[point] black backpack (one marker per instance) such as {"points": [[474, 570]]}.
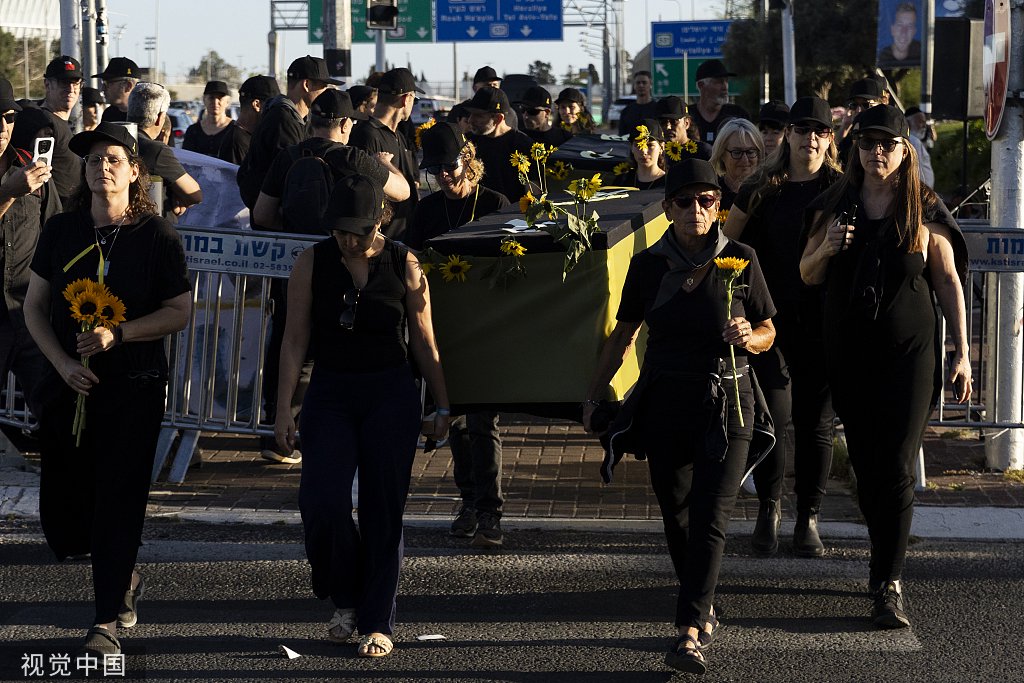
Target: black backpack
{"points": [[307, 187]]}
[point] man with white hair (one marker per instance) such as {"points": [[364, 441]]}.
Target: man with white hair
{"points": [[713, 108], [147, 108]]}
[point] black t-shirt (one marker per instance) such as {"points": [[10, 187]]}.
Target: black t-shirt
{"points": [[280, 127], [196, 140], [708, 129], [634, 114], [342, 159], [499, 174], [685, 333], [728, 194], [113, 114], [437, 214], [554, 136], [235, 144], [160, 161], [67, 166], [372, 136], [775, 231], [146, 267]]}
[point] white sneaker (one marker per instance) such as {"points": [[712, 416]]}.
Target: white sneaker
{"points": [[294, 458]]}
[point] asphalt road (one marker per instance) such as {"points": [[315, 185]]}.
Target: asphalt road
{"points": [[553, 606]]}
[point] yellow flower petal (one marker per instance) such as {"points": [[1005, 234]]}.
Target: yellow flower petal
{"points": [[731, 263]]}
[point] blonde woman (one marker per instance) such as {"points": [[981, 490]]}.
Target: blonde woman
{"points": [[736, 154]]}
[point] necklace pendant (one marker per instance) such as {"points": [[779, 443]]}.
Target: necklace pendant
{"points": [[106, 268], [103, 240], [689, 280]]}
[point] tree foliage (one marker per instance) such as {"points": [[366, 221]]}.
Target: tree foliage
{"points": [[542, 72], [212, 67], [12, 62]]}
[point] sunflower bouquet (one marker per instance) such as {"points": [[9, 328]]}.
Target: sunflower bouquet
{"points": [[92, 305], [729, 269]]}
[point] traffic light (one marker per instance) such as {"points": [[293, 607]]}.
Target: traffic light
{"points": [[382, 14]]}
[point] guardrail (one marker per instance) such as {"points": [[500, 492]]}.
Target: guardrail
{"points": [[216, 361]]}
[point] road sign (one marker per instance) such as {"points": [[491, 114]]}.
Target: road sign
{"points": [[498, 20], [997, 63], [414, 23], [315, 22], [699, 41]]}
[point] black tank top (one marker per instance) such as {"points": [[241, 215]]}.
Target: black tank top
{"points": [[377, 338]]}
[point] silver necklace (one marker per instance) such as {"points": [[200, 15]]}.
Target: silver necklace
{"points": [[114, 232]]}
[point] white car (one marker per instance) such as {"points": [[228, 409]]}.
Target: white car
{"points": [[615, 111]]}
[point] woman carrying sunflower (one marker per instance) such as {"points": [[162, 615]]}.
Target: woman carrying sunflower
{"points": [[93, 495], [647, 146], [683, 412]]}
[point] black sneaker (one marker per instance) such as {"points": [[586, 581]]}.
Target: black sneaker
{"points": [[465, 523], [128, 616], [99, 641], [888, 611], [488, 531]]}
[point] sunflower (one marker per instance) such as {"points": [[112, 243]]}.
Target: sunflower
{"points": [[423, 127], [510, 247], [643, 137], [538, 152], [593, 185], [674, 150], [86, 306], [691, 146], [622, 168], [559, 170], [110, 311], [455, 268], [426, 267], [520, 162], [723, 215], [526, 201], [731, 263], [77, 287]]}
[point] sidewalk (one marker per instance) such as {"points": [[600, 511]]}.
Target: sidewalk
{"points": [[550, 475]]}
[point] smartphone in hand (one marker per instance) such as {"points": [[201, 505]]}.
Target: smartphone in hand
{"points": [[43, 151]]}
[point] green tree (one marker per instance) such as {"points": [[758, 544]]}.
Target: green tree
{"points": [[948, 157], [213, 68], [12, 62], [542, 72]]}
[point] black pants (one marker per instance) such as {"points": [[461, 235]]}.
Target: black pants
{"points": [[476, 458], [696, 492], [369, 421], [272, 361], [794, 381], [92, 498]]}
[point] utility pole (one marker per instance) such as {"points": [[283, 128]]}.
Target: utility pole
{"points": [[101, 33], [1004, 448], [338, 37], [89, 66], [788, 53]]}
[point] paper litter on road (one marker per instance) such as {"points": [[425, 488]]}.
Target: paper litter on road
{"points": [[288, 652], [431, 636]]}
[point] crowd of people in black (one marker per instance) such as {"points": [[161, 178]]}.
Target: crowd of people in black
{"points": [[830, 261]]}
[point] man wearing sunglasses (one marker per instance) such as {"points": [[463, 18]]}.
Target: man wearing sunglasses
{"points": [[119, 78], [28, 198], [536, 108]]}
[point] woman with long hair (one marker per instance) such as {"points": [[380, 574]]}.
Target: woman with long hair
{"points": [[768, 215], [885, 248], [573, 115], [94, 488], [647, 147], [736, 154]]}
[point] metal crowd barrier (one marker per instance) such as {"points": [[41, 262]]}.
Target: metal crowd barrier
{"points": [[216, 361]]}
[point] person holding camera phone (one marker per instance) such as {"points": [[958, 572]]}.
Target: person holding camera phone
{"points": [[28, 198], [882, 274], [683, 412]]}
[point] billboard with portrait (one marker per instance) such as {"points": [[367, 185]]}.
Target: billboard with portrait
{"points": [[900, 26]]}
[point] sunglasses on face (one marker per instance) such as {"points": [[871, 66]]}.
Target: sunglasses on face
{"points": [[684, 201], [436, 170], [869, 144], [740, 153], [536, 111], [348, 316], [10, 117], [821, 132]]}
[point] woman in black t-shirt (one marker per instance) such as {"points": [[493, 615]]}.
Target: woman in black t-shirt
{"points": [[736, 154], [682, 412], [647, 147], [93, 495], [769, 216], [350, 299]]}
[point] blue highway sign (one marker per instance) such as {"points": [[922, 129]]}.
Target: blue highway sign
{"points": [[498, 20], [697, 39]]}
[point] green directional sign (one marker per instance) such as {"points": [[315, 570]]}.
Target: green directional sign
{"points": [[415, 24], [667, 78]]}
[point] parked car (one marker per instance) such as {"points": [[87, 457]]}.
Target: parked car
{"points": [[615, 111], [180, 120]]}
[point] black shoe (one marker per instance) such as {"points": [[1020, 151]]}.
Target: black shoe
{"points": [[685, 656], [100, 641], [488, 531], [765, 540], [465, 523], [888, 610], [806, 542], [128, 616]]}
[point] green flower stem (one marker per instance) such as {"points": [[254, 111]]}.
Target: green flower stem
{"points": [[732, 347]]}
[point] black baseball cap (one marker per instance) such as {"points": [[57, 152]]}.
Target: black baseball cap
{"points": [[811, 109], [536, 97], [713, 68], [397, 82], [884, 118], [690, 172], [355, 206], [868, 88], [569, 95], [774, 111], [219, 88], [911, 111], [106, 131], [260, 88], [335, 104], [442, 144], [459, 111], [671, 107], [119, 67], [65, 68], [653, 130], [312, 68], [489, 100], [7, 101], [91, 96], [485, 74], [359, 94]]}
